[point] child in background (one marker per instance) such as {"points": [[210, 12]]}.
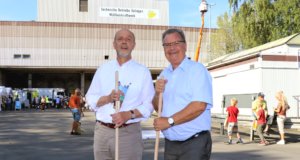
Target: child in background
{"points": [[233, 112], [261, 122]]}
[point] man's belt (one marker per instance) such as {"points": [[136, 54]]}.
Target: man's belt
{"points": [[112, 125], [193, 136]]}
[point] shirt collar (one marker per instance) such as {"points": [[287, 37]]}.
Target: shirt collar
{"points": [[183, 65], [124, 64]]}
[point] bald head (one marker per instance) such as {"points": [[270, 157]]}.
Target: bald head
{"points": [[124, 30]]}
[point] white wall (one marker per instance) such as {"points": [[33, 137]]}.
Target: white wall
{"points": [[235, 80], [285, 79]]}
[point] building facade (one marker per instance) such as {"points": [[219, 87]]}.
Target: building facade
{"points": [[268, 68], [71, 38], [66, 55]]}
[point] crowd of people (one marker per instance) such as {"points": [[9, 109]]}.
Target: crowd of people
{"points": [[11, 103]]}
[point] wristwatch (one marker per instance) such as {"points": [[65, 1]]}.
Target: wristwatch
{"points": [[171, 121], [132, 114]]}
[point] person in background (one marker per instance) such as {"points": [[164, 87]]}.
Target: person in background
{"points": [[18, 104], [57, 102], [261, 122], [233, 112], [9, 103], [48, 104], [281, 109], [261, 100], [74, 104], [43, 103], [38, 102], [187, 100], [135, 92]]}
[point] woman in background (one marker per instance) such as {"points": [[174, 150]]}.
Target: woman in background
{"points": [[281, 109]]}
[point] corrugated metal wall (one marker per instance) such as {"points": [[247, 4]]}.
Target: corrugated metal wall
{"points": [[285, 79], [264, 76], [80, 45]]}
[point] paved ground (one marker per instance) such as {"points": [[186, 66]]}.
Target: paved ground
{"points": [[31, 135]]}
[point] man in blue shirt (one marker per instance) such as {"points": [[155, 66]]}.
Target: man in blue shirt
{"points": [[187, 100]]}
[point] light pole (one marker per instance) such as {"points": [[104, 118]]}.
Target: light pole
{"points": [[209, 31]]}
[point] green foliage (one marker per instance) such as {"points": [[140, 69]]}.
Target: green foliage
{"points": [[224, 39], [234, 4], [256, 22], [286, 18], [252, 22]]}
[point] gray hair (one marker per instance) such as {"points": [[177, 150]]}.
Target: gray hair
{"points": [[174, 30]]}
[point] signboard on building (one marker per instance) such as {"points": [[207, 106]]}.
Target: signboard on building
{"points": [[129, 12]]}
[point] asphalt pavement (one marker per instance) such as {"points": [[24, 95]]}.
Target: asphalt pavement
{"points": [[45, 135]]}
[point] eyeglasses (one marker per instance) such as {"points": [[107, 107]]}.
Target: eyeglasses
{"points": [[176, 43]]}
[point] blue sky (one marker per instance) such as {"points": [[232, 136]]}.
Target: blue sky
{"points": [[182, 12], [186, 12]]}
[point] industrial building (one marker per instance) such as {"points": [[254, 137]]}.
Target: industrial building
{"points": [[71, 38]]}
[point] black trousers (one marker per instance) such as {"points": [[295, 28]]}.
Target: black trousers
{"points": [[196, 148]]}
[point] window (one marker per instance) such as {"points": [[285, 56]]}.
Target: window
{"points": [[17, 56], [26, 56], [83, 5]]}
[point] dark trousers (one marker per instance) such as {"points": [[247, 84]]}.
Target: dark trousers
{"points": [[198, 148]]}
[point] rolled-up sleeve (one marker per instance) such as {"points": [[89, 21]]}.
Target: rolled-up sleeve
{"points": [[146, 107]]}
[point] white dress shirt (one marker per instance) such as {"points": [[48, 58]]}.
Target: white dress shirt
{"points": [[189, 82], [138, 96]]}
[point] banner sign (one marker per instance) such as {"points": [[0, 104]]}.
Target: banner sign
{"points": [[129, 12]]}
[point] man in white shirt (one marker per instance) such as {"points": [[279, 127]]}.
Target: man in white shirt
{"points": [[187, 99], [135, 92]]}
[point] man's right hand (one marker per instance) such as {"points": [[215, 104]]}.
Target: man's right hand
{"points": [[112, 97], [115, 96], [161, 123]]}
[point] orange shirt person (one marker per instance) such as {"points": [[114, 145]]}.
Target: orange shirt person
{"points": [[74, 104]]}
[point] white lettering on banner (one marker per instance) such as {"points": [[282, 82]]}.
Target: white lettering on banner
{"points": [[128, 12]]}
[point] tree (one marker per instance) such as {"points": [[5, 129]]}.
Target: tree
{"points": [[253, 22], [224, 39], [256, 22], [286, 18], [235, 4]]}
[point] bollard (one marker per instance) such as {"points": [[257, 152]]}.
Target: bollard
{"points": [[222, 128], [251, 134]]}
